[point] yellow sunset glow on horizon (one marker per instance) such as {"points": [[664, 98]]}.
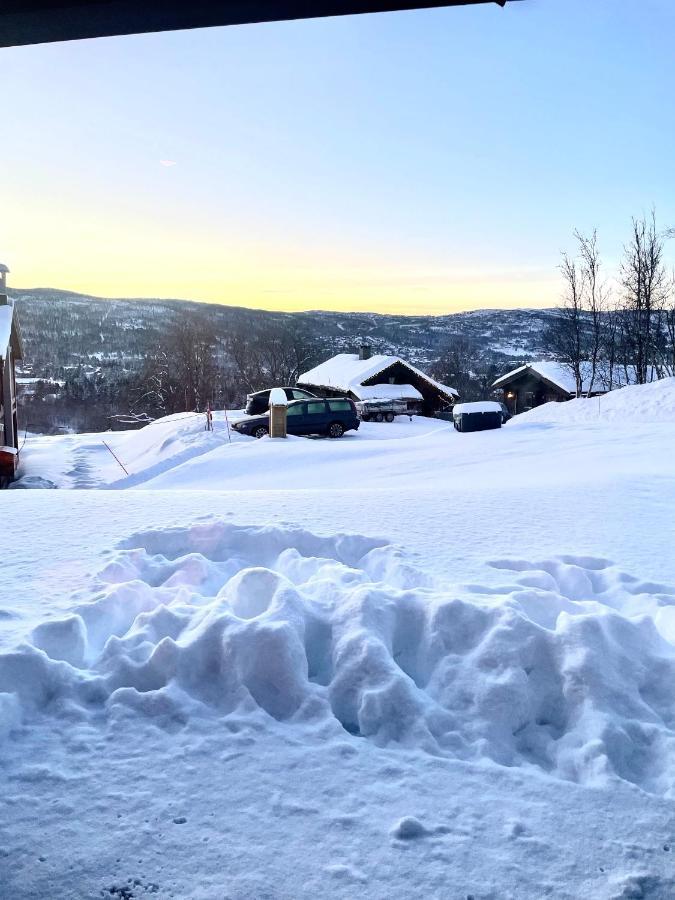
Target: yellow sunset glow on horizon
{"points": [[113, 256], [293, 291]]}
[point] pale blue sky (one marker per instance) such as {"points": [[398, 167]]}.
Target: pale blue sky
{"points": [[434, 159]]}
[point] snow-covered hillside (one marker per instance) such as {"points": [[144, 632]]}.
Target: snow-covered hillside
{"points": [[411, 662]]}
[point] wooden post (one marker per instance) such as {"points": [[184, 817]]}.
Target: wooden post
{"points": [[278, 412]]}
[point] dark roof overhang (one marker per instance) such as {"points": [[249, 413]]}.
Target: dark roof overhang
{"points": [[43, 21], [528, 371]]}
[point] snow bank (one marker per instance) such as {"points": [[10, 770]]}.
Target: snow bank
{"points": [[176, 438], [123, 458], [654, 402], [566, 668]]}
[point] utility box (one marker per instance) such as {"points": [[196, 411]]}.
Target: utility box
{"points": [[278, 413]]}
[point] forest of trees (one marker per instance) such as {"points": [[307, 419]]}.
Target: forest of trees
{"points": [[191, 368], [623, 331]]}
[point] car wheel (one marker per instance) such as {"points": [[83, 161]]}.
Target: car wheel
{"points": [[260, 432], [389, 417], [379, 417], [336, 430]]}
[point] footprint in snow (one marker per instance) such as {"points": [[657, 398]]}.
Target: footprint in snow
{"points": [[410, 828]]}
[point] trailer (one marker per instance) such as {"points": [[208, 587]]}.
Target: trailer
{"points": [[381, 410]]}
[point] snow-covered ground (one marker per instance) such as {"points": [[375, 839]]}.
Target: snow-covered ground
{"points": [[408, 663]]}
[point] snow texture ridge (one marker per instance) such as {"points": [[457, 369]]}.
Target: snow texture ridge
{"points": [[567, 668]]}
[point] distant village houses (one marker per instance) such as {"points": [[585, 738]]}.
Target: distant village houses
{"points": [[368, 376], [541, 382]]}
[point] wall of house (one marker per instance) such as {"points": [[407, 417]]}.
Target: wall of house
{"points": [[10, 427], [2, 404], [432, 400], [528, 391]]}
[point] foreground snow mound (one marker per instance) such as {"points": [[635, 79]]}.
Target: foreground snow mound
{"points": [[567, 668], [654, 402]]}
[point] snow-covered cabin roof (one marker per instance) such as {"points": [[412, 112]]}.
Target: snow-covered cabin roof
{"points": [[347, 372], [561, 376], [9, 331], [386, 392]]}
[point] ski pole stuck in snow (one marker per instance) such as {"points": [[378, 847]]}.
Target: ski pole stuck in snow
{"points": [[118, 460]]}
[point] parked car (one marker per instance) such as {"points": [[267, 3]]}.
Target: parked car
{"points": [[259, 402], [330, 417]]}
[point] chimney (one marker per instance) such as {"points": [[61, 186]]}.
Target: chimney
{"points": [[364, 351]]}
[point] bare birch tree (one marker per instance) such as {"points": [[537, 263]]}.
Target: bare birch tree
{"points": [[565, 338], [644, 284], [594, 302]]}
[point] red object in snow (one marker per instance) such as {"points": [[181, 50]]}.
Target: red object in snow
{"points": [[9, 462]]}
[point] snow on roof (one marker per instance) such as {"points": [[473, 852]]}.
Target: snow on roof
{"points": [[10, 333], [561, 375], [386, 392], [346, 371], [479, 406], [6, 314]]}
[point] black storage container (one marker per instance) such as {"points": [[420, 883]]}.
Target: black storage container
{"points": [[480, 416]]}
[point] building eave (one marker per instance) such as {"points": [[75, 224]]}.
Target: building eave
{"points": [[515, 374], [45, 21]]}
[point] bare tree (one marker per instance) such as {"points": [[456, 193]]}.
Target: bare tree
{"points": [[454, 366], [595, 303], [610, 343], [644, 284], [565, 338], [270, 354], [181, 373], [668, 326]]}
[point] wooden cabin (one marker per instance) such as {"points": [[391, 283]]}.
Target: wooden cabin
{"points": [[11, 349], [542, 382], [367, 376]]}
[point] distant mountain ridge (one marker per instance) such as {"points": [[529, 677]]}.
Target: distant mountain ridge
{"points": [[64, 328], [84, 355]]}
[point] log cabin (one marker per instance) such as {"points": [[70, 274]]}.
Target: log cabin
{"points": [[542, 382], [367, 376]]}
